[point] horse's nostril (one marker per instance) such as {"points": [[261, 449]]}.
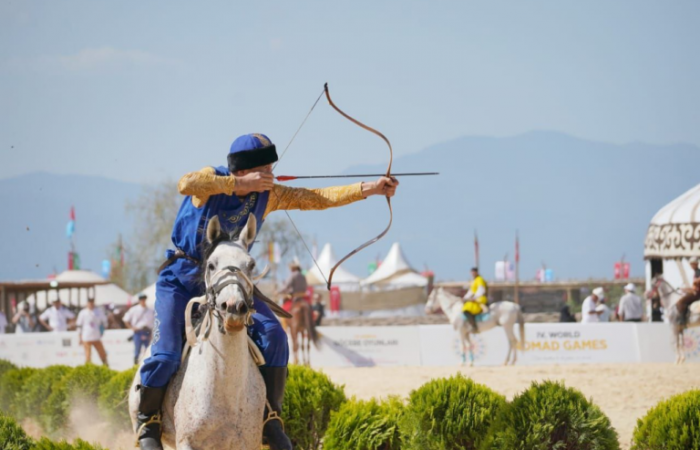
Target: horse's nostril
{"points": [[241, 308]]}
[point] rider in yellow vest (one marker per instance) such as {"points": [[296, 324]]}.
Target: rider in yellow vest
{"points": [[475, 299]]}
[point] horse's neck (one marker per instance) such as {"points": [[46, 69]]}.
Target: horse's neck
{"points": [[226, 359], [450, 306]]}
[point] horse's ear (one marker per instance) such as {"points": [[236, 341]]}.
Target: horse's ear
{"points": [[213, 229], [250, 230]]}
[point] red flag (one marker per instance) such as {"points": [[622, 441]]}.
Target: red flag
{"points": [[72, 213], [517, 248]]}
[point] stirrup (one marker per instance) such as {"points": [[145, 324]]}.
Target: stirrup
{"points": [[155, 418], [272, 415]]}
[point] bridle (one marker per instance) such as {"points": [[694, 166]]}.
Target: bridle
{"points": [[226, 276]]}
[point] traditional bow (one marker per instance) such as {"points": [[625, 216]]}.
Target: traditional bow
{"points": [[388, 175]]}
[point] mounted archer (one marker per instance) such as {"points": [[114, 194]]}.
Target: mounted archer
{"points": [[245, 186]]}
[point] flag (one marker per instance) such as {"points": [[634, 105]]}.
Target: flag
{"points": [[72, 213], [70, 229], [517, 248], [476, 250]]}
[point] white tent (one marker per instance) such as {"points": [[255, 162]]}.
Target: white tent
{"points": [[104, 294], [150, 292], [673, 236], [395, 272], [345, 280]]}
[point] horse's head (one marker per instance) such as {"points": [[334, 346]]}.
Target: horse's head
{"points": [[432, 306], [667, 293], [227, 273]]}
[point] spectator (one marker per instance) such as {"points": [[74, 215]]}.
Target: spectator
{"points": [[319, 309], [24, 323], [91, 325], [140, 319], [631, 308], [56, 317], [589, 314], [604, 310], [565, 314], [3, 322]]}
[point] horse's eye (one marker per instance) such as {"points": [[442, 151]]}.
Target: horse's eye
{"points": [[211, 266], [251, 266]]}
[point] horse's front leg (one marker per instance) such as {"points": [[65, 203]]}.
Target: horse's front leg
{"points": [[471, 350]]}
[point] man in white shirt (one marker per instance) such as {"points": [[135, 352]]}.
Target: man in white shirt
{"points": [[24, 323], [91, 324], [588, 309], [3, 322], [631, 308], [604, 310], [56, 317], [140, 319]]}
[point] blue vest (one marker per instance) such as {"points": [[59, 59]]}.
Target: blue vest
{"points": [[191, 227]]}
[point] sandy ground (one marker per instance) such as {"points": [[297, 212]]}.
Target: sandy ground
{"points": [[623, 391]]}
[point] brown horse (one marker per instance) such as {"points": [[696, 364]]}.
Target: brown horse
{"points": [[302, 329]]}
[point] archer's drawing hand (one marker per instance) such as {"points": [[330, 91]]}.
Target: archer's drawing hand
{"points": [[384, 186], [255, 182]]}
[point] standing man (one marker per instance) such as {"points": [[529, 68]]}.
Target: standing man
{"points": [[475, 298], [140, 319], [56, 317], [319, 309], [91, 325], [245, 186], [631, 308], [24, 323], [589, 314]]}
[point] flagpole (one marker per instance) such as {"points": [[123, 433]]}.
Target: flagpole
{"points": [[476, 250], [517, 269]]}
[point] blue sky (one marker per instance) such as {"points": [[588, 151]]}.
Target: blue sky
{"points": [[142, 91]]}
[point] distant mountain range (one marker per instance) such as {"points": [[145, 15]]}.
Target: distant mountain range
{"points": [[578, 206]]}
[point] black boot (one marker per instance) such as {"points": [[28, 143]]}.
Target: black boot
{"points": [[148, 426], [273, 430], [472, 321]]}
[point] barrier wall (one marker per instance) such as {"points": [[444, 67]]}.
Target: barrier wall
{"points": [[428, 345]]}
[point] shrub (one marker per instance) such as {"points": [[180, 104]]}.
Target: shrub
{"points": [[6, 365], [81, 383], [78, 444], [12, 436], [672, 424], [38, 387], [365, 425], [113, 399], [449, 413], [308, 402], [548, 416], [11, 384]]}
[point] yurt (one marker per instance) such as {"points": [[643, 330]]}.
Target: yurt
{"points": [[104, 294], [672, 238]]}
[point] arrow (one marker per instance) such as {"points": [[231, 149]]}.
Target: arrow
{"points": [[365, 175]]}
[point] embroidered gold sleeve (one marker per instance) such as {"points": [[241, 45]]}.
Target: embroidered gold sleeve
{"points": [[205, 183], [286, 198]]}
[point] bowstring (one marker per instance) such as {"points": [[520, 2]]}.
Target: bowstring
{"points": [[306, 246]]}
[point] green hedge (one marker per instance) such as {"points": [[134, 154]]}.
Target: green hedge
{"points": [[114, 396], [449, 414], [365, 425], [12, 436], [672, 424], [11, 384], [83, 384], [78, 444], [37, 388], [308, 402], [6, 365], [550, 416]]}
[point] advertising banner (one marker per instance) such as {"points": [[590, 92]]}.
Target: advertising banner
{"points": [[546, 343], [366, 347]]}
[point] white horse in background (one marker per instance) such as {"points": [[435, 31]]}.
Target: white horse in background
{"points": [[504, 314], [217, 397], [669, 297]]}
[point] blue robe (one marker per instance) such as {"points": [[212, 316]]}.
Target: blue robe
{"points": [[179, 282]]}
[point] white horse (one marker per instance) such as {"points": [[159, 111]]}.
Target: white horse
{"points": [[669, 297], [504, 314], [217, 397]]}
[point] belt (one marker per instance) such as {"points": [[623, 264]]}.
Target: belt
{"points": [[178, 254]]}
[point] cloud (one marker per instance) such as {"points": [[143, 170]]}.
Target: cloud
{"points": [[93, 59]]}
